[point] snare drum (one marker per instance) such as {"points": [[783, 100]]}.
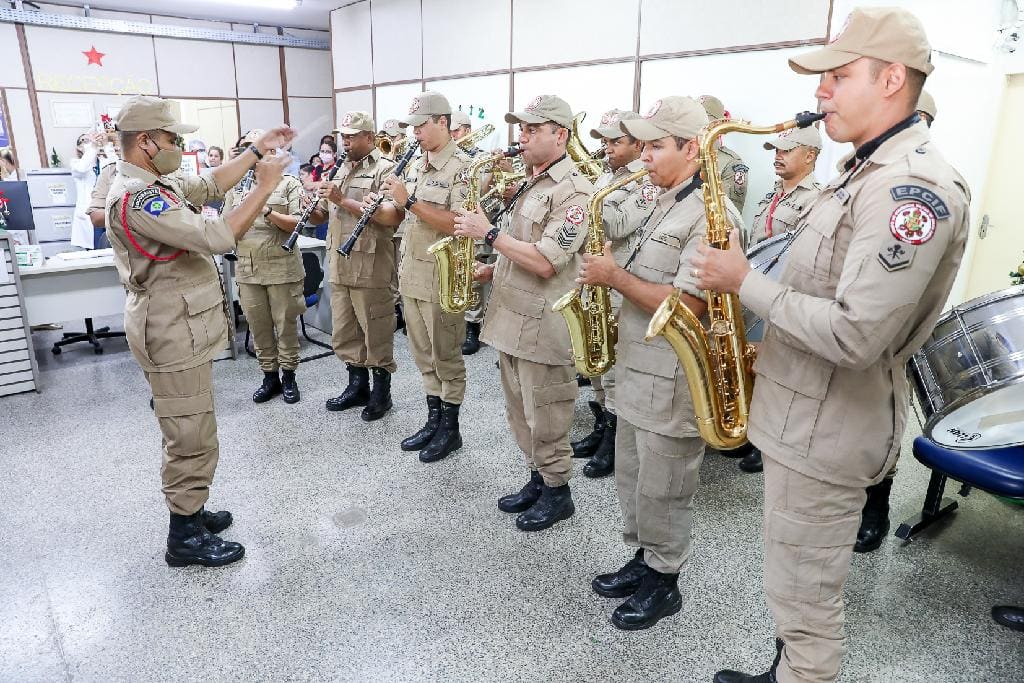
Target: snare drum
{"points": [[969, 375], [767, 257]]}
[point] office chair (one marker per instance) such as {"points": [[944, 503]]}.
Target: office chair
{"points": [[90, 335]]}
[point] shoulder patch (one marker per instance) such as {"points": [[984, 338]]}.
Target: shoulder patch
{"points": [[462, 176], [921, 194], [566, 235], [575, 214], [648, 192], [913, 223], [139, 199], [895, 256], [156, 206]]}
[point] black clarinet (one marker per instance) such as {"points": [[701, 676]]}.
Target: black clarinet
{"points": [[289, 244], [350, 243]]}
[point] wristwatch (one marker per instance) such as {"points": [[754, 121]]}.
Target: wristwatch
{"points": [[266, 214], [410, 201], [259, 154], [491, 235]]}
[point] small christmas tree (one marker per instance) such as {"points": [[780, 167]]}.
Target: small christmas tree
{"points": [[1017, 276], [55, 161]]}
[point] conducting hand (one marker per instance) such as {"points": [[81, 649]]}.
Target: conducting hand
{"points": [[275, 138], [270, 171], [721, 270]]}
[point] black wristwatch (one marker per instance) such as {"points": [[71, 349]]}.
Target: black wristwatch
{"points": [[491, 235], [266, 214], [259, 154], [410, 201]]}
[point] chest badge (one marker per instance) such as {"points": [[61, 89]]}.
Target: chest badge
{"points": [[913, 223]]}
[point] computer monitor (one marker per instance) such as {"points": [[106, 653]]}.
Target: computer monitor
{"points": [[15, 206]]}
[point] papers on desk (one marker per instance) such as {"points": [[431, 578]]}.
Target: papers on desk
{"points": [[72, 256]]}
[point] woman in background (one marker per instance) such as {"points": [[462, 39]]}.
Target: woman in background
{"points": [[93, 153], [8, 165]]}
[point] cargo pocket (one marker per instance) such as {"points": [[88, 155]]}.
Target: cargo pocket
{"points": [[654, 378], [809, 557], [794, 404], [667, 468], [451, 331], [204, 308], [298, 300], [188, 424], [553, 408]]}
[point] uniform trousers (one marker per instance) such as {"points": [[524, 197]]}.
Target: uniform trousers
{"points": [[364, 326], [656, 477], [809, 530], [435, 339], [271, 311], [539, 404], [183, 404]]}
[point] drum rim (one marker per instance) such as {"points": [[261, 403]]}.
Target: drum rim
{"points": [[970, 397], [984, 299]]}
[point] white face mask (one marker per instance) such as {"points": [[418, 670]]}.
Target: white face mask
{"points": [[326, 157]]}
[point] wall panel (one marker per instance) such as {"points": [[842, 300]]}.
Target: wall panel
{"points": [[483, 36], [309, 74], [487, 92], [392, 101], [22, 127], [350, 46], [177, 59], [258, 71], [59, 63], [261, 114], [397, 49], [545, 32], [12, 75], [353, 100]]}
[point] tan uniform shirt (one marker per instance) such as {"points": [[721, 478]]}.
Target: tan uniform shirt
{"points": [[866, 279], [624, 209], [441, 182], [261, 260], [372, 262], [734, 175], [104, 181], [788, 208], [651, 391], [552, 214], [175, 317]]}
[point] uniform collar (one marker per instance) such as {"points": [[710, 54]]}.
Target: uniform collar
{"points": [[807, 183], [681, 191], [560, 170], [441, 158], [371, 158], [890, 145]]}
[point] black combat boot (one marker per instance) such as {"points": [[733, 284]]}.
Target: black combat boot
{"points": [[289, 388], [1009, 616], [752, 462], [216, 522], [527, 496], [399, 319], [380, 395], [624, 582], [357, 393], [472, 343], [730, 676], [447, 438], [270, 388], [585, 447], [420, 439], [555, 504], [189, 542], [738, 452], [656, 598], [874, 518], [603, 462]]}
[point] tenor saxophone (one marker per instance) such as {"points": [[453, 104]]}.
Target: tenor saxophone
{"points": [[587, 310], [717, 360], [455, 255]]}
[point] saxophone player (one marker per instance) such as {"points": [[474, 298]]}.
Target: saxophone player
{"points": [[538, 256], [622, 213], [658, 448]]}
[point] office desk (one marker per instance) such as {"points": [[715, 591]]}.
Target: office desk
{"points": [[62, 291]]}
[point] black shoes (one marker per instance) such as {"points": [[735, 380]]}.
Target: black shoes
{"points": [[738, 452], [624, 582], [399, 319], [527, 496], [472, 343], [874, 519], [380, 396], [357, 393], [289, 388], [585, 447], [554, 505], [656, 598], [420, 439], [752, 462], [446, 439], [1010, 617], [190, 542], [270, 388], [603, 462], [730, 676], [216, 522]]}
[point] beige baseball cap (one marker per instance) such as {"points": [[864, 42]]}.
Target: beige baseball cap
{"points": [[609, 127], [460, 119], [356, 122], [142, 112], [391, 127], [679, 116], [541, 109], [887, 33], [795, 137], [713, 106], [425, 105], [926, 103]]}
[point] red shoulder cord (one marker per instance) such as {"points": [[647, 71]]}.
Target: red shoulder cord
{"points": [[131, 238]]}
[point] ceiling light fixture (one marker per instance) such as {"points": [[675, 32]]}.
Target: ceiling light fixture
{"points": [[264, 4]]}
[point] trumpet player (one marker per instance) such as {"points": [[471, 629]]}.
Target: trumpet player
{"points": [[435, 336], [538, 256], [658, 448], [622, 213], [270, 284], [362, 305]]}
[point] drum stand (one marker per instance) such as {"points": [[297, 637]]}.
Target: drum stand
{"points": [[935, 508]]}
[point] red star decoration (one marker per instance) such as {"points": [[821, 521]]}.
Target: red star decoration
{"points": [[94, 56]]}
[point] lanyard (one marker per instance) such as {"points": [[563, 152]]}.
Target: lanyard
{"points": [[771, 213]]}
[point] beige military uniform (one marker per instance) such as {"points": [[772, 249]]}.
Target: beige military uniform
{"points": [[658, 450], [868, 273], [622, 212], [175, 314], [362, 303], [778, 212], [733, 173], [270, 279], [435, 336], [537, 372]]}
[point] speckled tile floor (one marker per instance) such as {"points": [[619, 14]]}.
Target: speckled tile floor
{"points": [[363, 564]]}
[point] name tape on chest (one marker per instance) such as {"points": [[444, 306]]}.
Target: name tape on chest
{"points": [[667, 240], [923, 195], [437, 183]]}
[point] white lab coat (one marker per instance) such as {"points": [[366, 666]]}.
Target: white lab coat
{"points": [[83, 170]]}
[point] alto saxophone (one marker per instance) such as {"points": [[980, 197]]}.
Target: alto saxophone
{"points": [[718, 361], [588, 310], [455, 255]]}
